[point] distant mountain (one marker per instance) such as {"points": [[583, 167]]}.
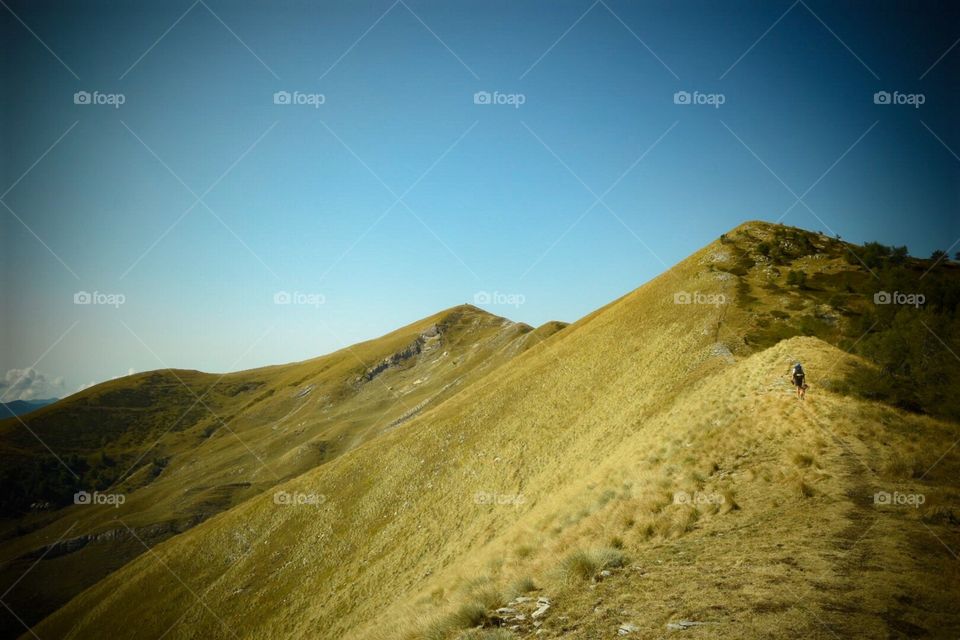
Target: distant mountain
{"points": [[23, 407], [183, 446]]}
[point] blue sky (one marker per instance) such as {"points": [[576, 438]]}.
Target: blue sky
{"points": [[399, 195]]}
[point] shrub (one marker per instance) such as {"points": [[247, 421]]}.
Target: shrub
{"points": [[521, 586], [585, 565], [578, 566], [609, 558], [796, 278], [471, 614]]}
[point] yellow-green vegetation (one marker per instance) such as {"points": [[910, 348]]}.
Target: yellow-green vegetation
{"points": [[182, 446], [646, 466]]}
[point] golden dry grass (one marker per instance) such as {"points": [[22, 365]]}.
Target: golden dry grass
{"points": [[732, 503], [244, 432]]}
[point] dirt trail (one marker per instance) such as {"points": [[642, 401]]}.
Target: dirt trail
{"points": [[862, 595]]}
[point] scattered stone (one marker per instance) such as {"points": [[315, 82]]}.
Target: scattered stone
{"points": [[683, 624], [519, 615], [605, 573], [627, 628]]}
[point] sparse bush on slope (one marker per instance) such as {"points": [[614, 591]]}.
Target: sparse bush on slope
{"points": [[586, 564]]}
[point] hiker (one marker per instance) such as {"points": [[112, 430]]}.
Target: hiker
{"points": [[799, 380]]}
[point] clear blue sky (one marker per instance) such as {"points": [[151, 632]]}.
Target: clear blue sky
{"points": [[297, 199]]}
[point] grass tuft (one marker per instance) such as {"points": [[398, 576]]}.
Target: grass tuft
{"points": [[520, 586], [583, 565]]}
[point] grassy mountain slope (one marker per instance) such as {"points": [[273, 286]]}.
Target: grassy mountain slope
{"points": [[183, 445], [581, 443], [646, 466]]}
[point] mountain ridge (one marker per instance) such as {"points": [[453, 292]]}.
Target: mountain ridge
{"points": [[165, 420], [559, 477]]}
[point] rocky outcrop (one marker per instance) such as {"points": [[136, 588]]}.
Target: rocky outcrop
{"points": [[430, 336], [147, 534]]}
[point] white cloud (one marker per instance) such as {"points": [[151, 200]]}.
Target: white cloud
{"points": [[29, 384], [87, 385]]}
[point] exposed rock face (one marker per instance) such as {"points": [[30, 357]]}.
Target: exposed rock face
{"points": [[414, 349], [69, 545], [430, 336]]}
